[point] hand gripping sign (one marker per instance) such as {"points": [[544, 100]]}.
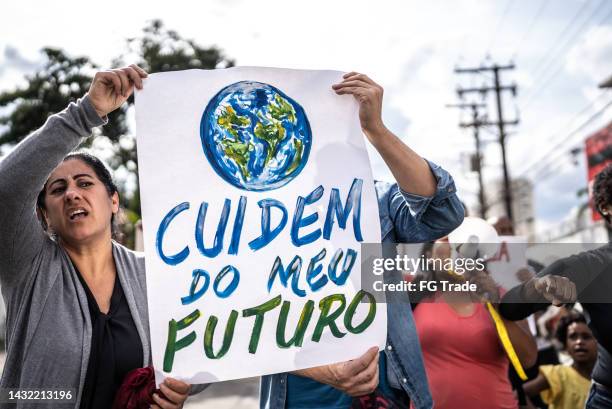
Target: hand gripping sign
{"points": [[256, 193]]}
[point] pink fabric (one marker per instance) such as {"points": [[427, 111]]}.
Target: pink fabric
{"points": [[465, 362]]}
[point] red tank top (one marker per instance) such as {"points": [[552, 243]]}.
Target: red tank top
{"points": [[465, 362]]}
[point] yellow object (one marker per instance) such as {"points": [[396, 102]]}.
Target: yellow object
{"points": [[507, 344], [502, 332], [568, 389]]}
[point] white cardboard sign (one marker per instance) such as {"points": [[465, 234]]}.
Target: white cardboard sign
{"points": [[256, 193], [509, 260]]}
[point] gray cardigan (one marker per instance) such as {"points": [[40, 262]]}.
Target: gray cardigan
{"points": [[48, 322]]}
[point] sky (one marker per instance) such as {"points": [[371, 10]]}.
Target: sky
{"points": [[561, 49]]}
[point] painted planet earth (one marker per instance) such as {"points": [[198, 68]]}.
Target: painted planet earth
{"points": [[255, 137]]}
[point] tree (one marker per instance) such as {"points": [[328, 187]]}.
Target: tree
{"points": [[160, 50], [63, 79]]}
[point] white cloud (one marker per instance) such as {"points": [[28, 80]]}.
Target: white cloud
{"points": [[410, 47], [592, 56]]}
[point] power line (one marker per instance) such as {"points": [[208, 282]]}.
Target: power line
{"points": [[529, 28], [564, 140], [500, 24], [566, 125], [561, 35], [546, 80]]}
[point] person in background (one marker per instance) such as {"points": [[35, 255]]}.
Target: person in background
{"points": [[585, 277], [466, 364], [567, 387], [422, 206]]}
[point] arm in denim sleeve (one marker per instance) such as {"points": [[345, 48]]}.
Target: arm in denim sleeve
{"points": [[419, 218]]}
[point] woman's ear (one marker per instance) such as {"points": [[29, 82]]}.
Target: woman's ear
{"points": [[115, 202], [42, 216]]}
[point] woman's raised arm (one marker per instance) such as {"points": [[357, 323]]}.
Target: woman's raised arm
{"points": [[24, 171]]}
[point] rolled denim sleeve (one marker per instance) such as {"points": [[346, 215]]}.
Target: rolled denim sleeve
{"points": [[424, 218]]}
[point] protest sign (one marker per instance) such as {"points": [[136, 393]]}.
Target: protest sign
{"points": [[256, 193], [511, 259]]}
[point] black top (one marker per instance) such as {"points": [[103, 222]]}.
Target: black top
{"points": [[591, 271], [116, 349]]}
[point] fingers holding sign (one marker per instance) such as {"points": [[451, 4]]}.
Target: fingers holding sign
{"points": [[356, 377], [110, 89], [175, 394], [369, 95]]}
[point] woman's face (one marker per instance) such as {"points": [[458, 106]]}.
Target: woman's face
{"points": [[78, 207]]}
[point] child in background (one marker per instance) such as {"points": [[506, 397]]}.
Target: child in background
{"points": [[567, 387]]}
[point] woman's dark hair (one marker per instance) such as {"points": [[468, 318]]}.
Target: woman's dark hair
{"points": [[99, 169], [564, 323], [602, 191]]}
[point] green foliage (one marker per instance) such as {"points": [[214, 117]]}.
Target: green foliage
{"points": [[63, 79], [160, 50]]}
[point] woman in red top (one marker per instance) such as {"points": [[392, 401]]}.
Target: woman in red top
{"points": [[465, 361]]}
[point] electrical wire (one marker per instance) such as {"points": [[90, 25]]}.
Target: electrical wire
{"points": [[500, 24], [550, 156], [566, 29], [565, 126], [545, 81], [534, 19]]}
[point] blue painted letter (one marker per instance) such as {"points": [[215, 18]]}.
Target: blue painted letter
{"points": [[182, 255], [299, 222], [293, 271], [231, 286], [237, 230], [314, 268], [199, 230], [193, 294], [349, 262], [268, 235], [335, 209]]}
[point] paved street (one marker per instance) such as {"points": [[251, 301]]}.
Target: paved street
{"points": [[241, 394]]}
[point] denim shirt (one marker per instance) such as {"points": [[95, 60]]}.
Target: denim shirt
{"points": [[404, 218]]}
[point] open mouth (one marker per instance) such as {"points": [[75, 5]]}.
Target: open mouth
{"points": [[77, 214], [581, 351]]}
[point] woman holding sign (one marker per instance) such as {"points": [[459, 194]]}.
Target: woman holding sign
{"points": [[76, 300], [422, 206]]}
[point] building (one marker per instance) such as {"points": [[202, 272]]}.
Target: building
{"points": [[522, 204]]}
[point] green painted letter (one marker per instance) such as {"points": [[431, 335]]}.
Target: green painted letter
{"points": [[259, 312], [173, 345], [350, 312], [298, 335], [328, 320], [227, 336]]}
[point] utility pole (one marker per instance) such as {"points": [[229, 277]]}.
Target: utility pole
{"points": [[500, 123], [476, 124]]}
